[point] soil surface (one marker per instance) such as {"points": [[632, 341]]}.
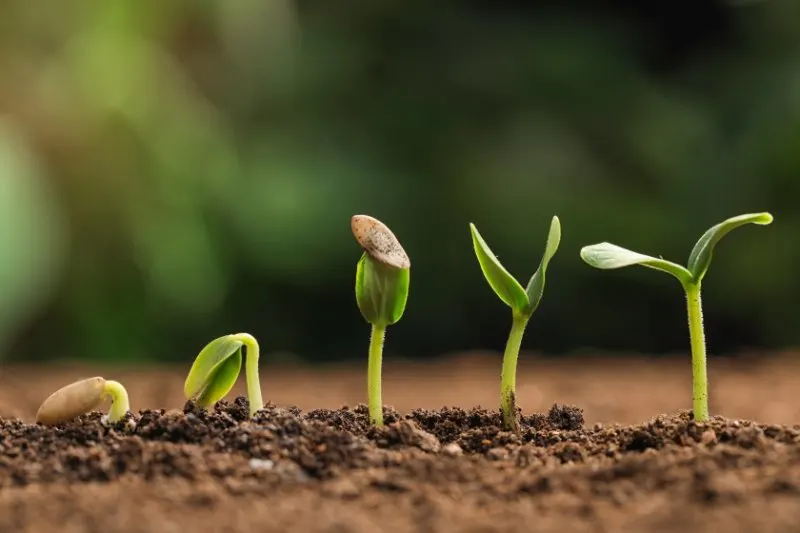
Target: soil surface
{"points": [[604, 446]]}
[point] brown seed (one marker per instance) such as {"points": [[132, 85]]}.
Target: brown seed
{"points": [[71, 401], [379, 241]]}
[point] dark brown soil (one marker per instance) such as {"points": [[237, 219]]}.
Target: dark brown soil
{"points": [[447, 470]]}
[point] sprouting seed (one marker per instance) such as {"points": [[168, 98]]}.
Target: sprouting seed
{"points": [[382, 281], [82, 397], [216, 368], [609, 256], [523, 303]]}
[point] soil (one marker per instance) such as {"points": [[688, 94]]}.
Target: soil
{"points": [[430, 469]]}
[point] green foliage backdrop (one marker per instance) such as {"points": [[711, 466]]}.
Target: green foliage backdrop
{"points": [[174, 171]]}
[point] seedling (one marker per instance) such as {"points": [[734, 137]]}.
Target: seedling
{"points": [[609, 256], [523, 302], [216, 368], [82, 397], [382, 280]]}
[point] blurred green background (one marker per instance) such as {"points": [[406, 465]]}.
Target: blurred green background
{"points": [[174, 171]]}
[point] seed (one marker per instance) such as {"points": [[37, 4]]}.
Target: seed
{"points": [[71, 401], [379, 241]]}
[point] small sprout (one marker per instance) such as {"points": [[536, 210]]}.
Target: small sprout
{"points": [[382, 280], [216, 368], [523, 303], [609, 256], [83, 397]]}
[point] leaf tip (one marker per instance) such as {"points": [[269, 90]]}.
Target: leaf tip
{"points": [[764, 219], [555, 230], [587, 251]]}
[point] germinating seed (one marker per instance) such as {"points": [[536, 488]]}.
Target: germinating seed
{"points": [[73, 400]]}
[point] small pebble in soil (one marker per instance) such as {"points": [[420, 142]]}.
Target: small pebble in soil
{"points": [[261, 464], [452, 449]]}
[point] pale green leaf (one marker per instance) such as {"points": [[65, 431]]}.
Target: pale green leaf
{"points": [[609, 256], [700, 258], [221, 380], [214, 371], [535, 287], [504, 284]]}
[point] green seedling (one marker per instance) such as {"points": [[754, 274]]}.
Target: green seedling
{"points": [[523, 302], [216, 368], [609, 256], [82, 397], [382, 280]]}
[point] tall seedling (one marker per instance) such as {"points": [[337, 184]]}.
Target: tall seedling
{"points": [[610, 256], [382, 280]]}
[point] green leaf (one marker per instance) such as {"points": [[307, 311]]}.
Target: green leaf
{"points": [[608, 256], [535, 287], [700, 258], [381, 290], [221, 381], [214, 371], [401, 295], [504, 284]]}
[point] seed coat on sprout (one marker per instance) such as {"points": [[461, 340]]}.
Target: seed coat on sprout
{"points": [[378, 241], [382, 281]]}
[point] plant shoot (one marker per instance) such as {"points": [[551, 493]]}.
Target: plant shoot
{"points": [[382, 281], [523, 303], [83, 397], [609, 256], [216, 368]]}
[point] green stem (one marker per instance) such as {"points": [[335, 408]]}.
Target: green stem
{"points": [[374, 375], [508, 380], [120, 404], [698, 343], [251, 371]]}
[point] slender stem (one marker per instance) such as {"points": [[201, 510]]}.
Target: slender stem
{"points": [[698, 342], [375, 399], [251, 371], [508, 380], [120, 404]]}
